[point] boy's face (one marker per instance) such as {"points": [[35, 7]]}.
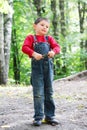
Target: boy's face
{"points": [[42, 27]]}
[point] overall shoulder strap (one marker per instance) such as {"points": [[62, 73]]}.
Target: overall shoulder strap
{"points": [[46, 38], [35, 40]]}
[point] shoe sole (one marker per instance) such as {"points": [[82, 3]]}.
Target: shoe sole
{"points": [[50, 123], [36, 124]]}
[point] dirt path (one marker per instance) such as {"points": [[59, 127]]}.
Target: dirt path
{"points": [[16, 106]]}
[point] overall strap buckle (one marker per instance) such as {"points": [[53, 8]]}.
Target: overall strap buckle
{"points": [[35, 41]]}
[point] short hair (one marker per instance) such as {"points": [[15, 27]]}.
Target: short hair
{"points": [[41, 19]]}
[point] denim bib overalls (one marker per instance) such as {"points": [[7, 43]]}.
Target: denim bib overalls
{"points": [[42, 77]]}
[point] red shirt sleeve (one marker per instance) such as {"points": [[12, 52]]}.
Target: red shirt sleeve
{"points": [[27, 47], [54, 45]]}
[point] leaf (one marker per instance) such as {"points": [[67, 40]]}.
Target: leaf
{"points": [[5, 7]]}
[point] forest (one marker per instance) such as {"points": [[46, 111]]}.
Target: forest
{"points": [[68, 26]]}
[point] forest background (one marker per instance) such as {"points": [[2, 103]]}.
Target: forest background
{"points": [[68, 27]]}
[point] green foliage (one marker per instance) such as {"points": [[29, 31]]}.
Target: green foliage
{"points": [[5, 7], [74, 59], [22, 24], [25, 70], [65, 64]]}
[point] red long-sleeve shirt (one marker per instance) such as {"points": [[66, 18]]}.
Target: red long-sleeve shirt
{"points": [[28, 49]]}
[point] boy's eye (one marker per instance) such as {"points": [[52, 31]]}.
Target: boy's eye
{"points": [[46, 26], [42, 24]]}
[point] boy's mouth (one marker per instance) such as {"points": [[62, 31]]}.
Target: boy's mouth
{"points": [[44, 30]]}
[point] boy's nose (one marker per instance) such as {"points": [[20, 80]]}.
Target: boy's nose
{"points": [[44, 26]]}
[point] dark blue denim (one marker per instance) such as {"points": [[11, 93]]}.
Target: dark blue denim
{"points": [[42, 77]]}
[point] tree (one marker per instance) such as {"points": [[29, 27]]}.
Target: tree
{"points": [[55, 17], [55, 23], [82, 9], [16, 60], [2, 59], [5, 41], [38, 5], [63, 32]]}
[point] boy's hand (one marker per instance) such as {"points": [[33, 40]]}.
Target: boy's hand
{"points": [[51, 54], [37, 56]]}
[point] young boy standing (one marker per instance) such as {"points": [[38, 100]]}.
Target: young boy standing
{"points": [[42, 48]]}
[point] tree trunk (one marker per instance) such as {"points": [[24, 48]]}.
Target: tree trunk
{"points": [[5, 36], [38, 5], [55, 17], [63, 32], [62, 18], [55, 29], [16, 61], [2, 57], [82, 8]]}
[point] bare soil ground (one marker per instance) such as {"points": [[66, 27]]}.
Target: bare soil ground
{"points": [[70, 95]]}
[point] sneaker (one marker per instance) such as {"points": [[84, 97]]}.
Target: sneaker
{"points": [[37, 122], [52, 122]]}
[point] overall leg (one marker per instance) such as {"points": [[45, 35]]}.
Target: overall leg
{"points": [[49, 106], [38, 90], [49, 102]]}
